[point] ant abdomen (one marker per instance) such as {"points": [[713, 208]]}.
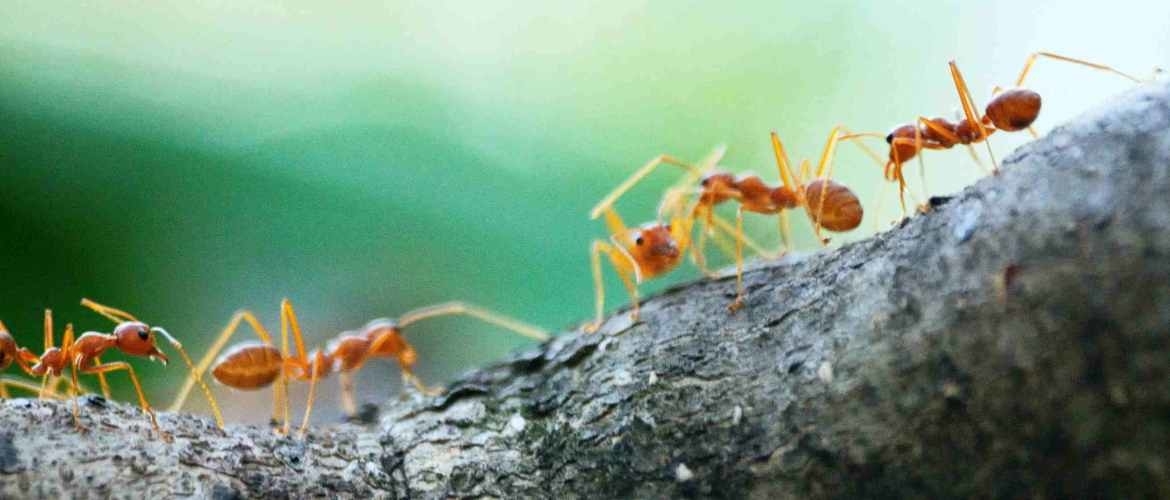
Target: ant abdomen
{"points": [[249, 366], [841, 209], [1014, 109]]}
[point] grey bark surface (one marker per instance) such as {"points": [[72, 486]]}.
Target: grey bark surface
{"points": [[1014, 342]]}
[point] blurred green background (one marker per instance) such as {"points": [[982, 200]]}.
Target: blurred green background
{"points": [[183, 160]]}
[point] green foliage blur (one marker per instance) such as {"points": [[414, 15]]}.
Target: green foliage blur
{"points": [[185, 160]]}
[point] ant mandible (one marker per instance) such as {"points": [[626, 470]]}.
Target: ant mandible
{"points": [[252, 366], [1009, 110]]}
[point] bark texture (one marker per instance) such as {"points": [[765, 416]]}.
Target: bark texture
{"points": [[1015, 342]]}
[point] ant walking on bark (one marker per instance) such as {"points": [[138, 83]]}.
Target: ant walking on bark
{"points": [[828, 204], [1010, 110], [252, 366], [82, 355], [653, 249]]}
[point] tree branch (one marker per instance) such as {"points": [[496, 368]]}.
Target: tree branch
{"points": [[1013, 342]]}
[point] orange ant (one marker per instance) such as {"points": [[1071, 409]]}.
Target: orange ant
{"points": [[1009, 110], [828, 204], [649, 251], [82, 355], [11, 353], [252, 366]]}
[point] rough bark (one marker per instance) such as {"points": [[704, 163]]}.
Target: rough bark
{"points": [[1014, 342]]}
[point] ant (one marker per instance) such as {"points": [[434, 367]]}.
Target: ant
{"points": [[651, 250], [252, 366], [11, 353], [83, 355], [828, 204], [1009, 110]]}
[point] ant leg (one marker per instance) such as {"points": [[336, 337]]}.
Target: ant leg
{"points": [[782, 163], [347, 399], [699, 249], [54, 386], [894, 172], [638, 175], [785, 231], [102, 379], [969, 111], [313, 376], [898, 176], [1032, 61], [730, 230], [74, 394], [623, 267], [598, 285], [48, 329], [288, 319], [122, 365], [975, 158], [198, 376], [617, 227], [463, 308], [825, 172], [921, 171], [115, 315], [44, 387], [16, 383], [856, 140], [725, 246], [739, 293], [408, 377], [205, 363]]}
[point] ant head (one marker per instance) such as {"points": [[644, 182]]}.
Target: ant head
{"points": [[907, 130], [655, 242], [907, 147], [717, 187], [716, 180], [137, 339], [7, 348]]}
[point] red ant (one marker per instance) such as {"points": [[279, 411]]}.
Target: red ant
{"points": [[251, 366], [649, 251], [11, 353], [828, 204], [1009, 110], [82, 355]]}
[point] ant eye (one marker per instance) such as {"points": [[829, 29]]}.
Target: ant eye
{"points": [[890, 138], [639, 241], [143, 334], [705, 182]]}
